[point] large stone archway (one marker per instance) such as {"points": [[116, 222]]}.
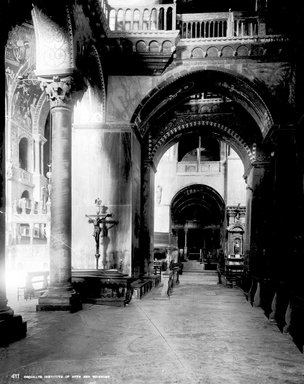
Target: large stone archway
{"points": [[244, 130], [181, 82]]}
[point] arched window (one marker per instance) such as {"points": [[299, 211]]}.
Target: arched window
{"points": [[161, 19], [23, 153], [169, 19], [24, 204], [112, 19], [120, 21], [47, 147], [153, 20], [146, 20], [136, 17], [128, 20]]}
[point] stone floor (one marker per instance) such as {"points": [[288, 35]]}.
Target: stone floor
{"points": [[205, 333]]}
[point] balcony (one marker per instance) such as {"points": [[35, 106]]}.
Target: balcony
{"points": [[156, 32], [142, 18], [222, 25], [194, 167]]}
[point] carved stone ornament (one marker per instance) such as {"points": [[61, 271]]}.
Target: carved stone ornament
{"points": [[58, 91], [54, 44]]}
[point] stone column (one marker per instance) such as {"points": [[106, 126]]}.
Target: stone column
{"points": [[287, 259], [258, 213], [31, 232], [147, 227], [186, 243], [41, 156], [174, 16], [37, 154], [60, 295]]}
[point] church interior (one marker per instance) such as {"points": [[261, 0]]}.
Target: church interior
{"points": [[150, 152]]}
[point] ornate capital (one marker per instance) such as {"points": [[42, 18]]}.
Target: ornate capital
{"points": [[58, 91]]}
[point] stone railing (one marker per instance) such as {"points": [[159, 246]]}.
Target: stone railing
{"points": [[24, 176], [218, 25], [141, 18], [196, 167], [27, 207]]}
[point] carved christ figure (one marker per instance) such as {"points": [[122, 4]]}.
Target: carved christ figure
{"points": [[96, 233]]}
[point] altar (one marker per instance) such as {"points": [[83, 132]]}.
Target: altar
{"points": [[103, 287]]}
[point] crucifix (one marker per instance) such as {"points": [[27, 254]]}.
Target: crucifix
{"points": [[101, 228]]}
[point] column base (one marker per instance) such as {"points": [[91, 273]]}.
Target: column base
{"points": [[59, 300], [12, 328]]}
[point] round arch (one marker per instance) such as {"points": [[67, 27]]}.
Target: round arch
{"points": [[219, 131], [200, 195], [197, 221], [181, 83]]}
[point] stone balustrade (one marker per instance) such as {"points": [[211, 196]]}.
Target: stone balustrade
{"points": [[24, 176], [142, 18], [217, 25], [192, 26], [195, 167]]}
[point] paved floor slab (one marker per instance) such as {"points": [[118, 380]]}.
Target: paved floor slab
{"points": [[205, 333]]}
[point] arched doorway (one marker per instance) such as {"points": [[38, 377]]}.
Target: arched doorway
{"points": [[197, 218], [213, 104]]}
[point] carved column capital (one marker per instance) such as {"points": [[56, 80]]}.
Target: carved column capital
{"points": [[58, 91]]}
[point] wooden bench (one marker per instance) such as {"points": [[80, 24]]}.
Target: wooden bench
{"points": [[141, 287], [36, 284], [234, 267]]}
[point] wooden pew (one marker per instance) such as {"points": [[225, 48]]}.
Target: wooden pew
{"points": [[36, 284]]}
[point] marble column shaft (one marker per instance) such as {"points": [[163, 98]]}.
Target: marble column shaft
{"points": [[60, 295], [147, 231], [37, 162], [61, 198]]}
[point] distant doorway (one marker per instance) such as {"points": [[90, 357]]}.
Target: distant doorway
{"points": [[197, 220]]}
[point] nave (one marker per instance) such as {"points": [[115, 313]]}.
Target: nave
{"points": [[204, 333]]}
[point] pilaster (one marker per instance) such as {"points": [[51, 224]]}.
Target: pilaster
{"points": [[258, 223], [147, 228], [110, 170], [285, 199]]}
